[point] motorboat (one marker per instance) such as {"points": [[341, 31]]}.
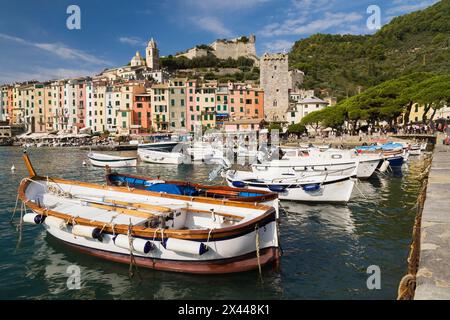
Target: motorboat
{"points": [[310, 188], [295, 161]]}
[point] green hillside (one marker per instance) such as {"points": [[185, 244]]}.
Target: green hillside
{"points": [[345, 64]]}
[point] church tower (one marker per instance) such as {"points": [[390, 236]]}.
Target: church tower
{"points": [[152, 55]]}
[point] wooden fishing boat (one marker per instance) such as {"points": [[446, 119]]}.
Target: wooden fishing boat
{"points": [[158, 231], [103, 160], [189, 189]]}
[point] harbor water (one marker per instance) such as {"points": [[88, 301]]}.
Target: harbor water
{"points": [[326, 248]]}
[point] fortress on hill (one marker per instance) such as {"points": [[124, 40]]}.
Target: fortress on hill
{"points": [[225, 48]]}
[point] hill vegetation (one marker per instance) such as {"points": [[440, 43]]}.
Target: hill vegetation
{"points": [[387, 102], [209, 66], [344, 65]]}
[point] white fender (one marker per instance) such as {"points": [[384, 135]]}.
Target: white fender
{"points": [[139, 245], [33, 218], [184, 246], [86, 231], [55, 222], [384, 166]]}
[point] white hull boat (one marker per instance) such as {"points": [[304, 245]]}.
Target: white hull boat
{"points": [[161, 157], [161, 145], [415, 150], [103, 160], [153, 230], [319, 188], [365, 166]]}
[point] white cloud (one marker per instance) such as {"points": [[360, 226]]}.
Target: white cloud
{"points": [[278, 46], [44, 74], [228, 5], [405, 6], [58, 49], [133, 41], [210, 15], [299, 26], [212, 25], [312, 4]]}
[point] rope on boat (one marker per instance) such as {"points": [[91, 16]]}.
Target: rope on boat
{"points": [[15, 208], [209, 237], [23, 210], [359, 190], [257, 251], [132, 259], [154, 237]]}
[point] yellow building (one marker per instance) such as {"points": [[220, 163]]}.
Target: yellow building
{"points": [[417, 112], [206, 99], [99, 116], [38, 117], [125, 111], [160, 107]]}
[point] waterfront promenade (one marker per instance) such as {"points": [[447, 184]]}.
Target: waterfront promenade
{"points": [[433, 276]]}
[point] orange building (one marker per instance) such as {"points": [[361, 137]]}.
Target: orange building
{"points": [[142, 113], [245, 102]]}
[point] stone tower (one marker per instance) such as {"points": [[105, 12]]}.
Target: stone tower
{"points": [[275, 81], [152, 55]]}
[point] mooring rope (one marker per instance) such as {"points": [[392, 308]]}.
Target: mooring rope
{"points": [[132, 259], [15, 208], [257, 251], [407, 286], [359, 190]]}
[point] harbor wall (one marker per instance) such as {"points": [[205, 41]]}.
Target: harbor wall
{"points": [[433, 275]]}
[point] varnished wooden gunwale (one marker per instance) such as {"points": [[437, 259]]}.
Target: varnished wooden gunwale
{"points": [[139, 231], [267, 196]]}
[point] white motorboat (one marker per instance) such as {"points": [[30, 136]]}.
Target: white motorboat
{"points": [[297, 160], [162, 157], [317, 188], [103, 160], [151, 229], [160, 146], [203, 151]]}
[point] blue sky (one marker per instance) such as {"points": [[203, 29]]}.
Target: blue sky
{"points": [[36, 44]]}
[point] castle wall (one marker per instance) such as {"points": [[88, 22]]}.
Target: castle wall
{"points": [[224, 50], [234, 50]]}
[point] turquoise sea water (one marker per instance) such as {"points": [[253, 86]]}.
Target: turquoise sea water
{"points": [[327, 248]]}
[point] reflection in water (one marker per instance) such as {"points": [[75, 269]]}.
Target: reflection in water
{"points": [[327, 248]]}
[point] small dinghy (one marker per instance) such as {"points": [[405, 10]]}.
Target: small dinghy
{"points": [[162, 156], [189, 189], [103, 160], [319, 188], [158, 231]]}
